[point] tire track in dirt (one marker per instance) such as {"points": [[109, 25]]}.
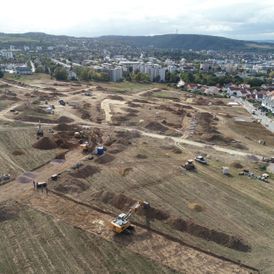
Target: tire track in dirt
{"points": [[146, 242]]}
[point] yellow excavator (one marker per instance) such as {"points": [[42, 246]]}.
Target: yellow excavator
{"points": [[121, 223]]}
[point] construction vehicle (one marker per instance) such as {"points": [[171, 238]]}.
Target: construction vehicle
{"points": [[201, 159], [121, 223], [93, 137], [189, 165], [39, 132]]}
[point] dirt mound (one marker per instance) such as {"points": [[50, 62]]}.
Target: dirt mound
{"points": [[216, 137], [18, 152], [155, 126], [35, 119], [85, 172], [66, 127], [8, 212], [24, 179], [107, 158], [133, 105], [195, 207], [209, 235], [64, 120], [237, 165], [129, 134], [219, 103], [99, 88], [141, 156], [140, 101], [201, 101], [118, 148], [124, 172], [173, 108], [120, 201], [45, 143], [62, 143], [116, 97], [72, 186], [153, 213]]}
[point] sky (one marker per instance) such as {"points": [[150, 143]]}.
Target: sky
{"points": [[239, 19]]}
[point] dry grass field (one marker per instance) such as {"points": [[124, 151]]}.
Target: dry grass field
{"points": [[200, 215]]}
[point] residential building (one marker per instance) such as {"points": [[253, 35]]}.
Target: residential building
{"points": [[23, 70], [268, 101]]}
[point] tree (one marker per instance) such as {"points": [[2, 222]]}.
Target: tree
{"points": [[255, 82], [1, 74], [61, 74]]}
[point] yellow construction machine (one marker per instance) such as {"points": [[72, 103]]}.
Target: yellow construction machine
{"points": [[121, 223]]}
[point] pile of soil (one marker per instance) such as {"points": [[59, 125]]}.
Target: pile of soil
{"points": [[66, 127], [37, 119], [117, 148], [201, 101], [237, 165], [133, 105], [116, 97], [122, 202], [216, 138], [99, 88], [124, 172], [153, 214], [175, 108], [85, 172], [64, 120], [8, 212], [219, 103], [209, 234], [129, 134], [18, 152], [72, 186], [106, 158], [85, 114], [24, 179], [155, 126], [63, 143], [195, 207], [140, 101], [45, 143], [141, 156], [117, 119], [239, 146]]}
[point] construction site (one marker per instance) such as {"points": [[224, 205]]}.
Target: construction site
{"points": [[125, 178]]}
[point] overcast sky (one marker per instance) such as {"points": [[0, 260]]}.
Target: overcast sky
{"points": [[240, 19]]}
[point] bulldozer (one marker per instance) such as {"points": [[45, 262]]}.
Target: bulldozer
{"points": [[122, 223]]}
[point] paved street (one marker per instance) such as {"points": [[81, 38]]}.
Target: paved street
{"points": [[265, 121]]}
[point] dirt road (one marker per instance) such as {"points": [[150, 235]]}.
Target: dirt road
{"points": [[105, 105]]}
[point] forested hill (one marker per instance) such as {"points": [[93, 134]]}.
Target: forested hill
{"points": [[167, 41]]}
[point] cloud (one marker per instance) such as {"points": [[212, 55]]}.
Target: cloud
{"points": [[242, 19]]}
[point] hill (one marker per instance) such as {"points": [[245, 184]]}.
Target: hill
{"points": [[167, 41]]}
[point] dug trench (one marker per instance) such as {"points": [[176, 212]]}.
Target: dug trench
{"points": [[168, 237], [122, 202]]}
